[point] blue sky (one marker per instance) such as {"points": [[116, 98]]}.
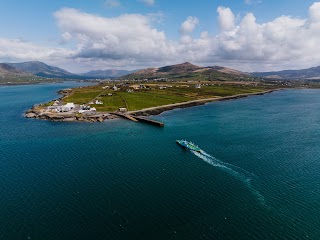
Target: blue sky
{"points": [[244, 34]]}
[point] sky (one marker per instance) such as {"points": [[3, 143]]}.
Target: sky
{"points": [[84, 35]]}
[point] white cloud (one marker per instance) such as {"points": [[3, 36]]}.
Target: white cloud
{"points": [[112, 3], [226, 18], [131, 39], [189, 25], [314, 12], [128, 36], [148, 2], [285, 39], [18, 50]]}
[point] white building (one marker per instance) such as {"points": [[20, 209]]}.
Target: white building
{"points": [[69, 105], [87, 109], [66, 108]]}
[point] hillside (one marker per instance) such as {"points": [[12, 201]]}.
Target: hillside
{"points": [[43, 70], [188, 71], [9, 71], [302, 74]]}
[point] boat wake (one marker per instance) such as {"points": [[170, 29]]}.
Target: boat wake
{"points": [[237, 172]]}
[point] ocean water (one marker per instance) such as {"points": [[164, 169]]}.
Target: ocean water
{"points": [[258, 176]]}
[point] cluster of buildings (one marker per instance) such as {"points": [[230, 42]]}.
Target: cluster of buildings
{"points": [[57, 107]]}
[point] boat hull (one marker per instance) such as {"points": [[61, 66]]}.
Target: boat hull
{"points": [[188, 145]]}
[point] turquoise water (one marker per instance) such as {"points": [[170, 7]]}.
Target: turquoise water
{"points": [[258, 176]]}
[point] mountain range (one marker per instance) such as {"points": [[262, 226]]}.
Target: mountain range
{"points": [[302, 74], [183, 70], [187, 70], [9, 71], [40, 69]]}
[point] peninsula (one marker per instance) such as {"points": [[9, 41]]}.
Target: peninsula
{"points": [[150, 92]]}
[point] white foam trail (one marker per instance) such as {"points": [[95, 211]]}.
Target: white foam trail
{"points": [[229, 168], [227, 164]]}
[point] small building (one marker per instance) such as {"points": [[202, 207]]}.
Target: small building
{"points": [[122, 109], [109, 94], [198, 86], [115, 88], [66, 108], [98, 102], [69, 105], [129, 90]]}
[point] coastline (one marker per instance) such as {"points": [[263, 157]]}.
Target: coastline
{"points": [[164, 108], [102, 116]]}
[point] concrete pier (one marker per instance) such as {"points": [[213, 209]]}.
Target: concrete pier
{"points": [[150, 121], [127, 116], [139, 118]]}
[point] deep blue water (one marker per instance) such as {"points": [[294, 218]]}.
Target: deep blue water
{"points": [[258, 177]]}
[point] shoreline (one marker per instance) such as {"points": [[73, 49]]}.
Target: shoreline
{"points": [[164, 108], [102, 116]]}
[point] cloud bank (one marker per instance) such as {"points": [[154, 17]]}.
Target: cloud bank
{"points": [[131, 40]]}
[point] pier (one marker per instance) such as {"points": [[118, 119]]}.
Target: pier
{"points": [[127, 116], [141, 119], [150, 121]]}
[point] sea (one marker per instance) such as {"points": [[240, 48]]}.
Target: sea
{"points": [[257, 176]]}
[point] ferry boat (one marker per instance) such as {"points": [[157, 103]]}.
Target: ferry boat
{"points": [[188, 145]]}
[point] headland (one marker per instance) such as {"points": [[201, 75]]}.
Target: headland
{"points": [[111, 100]]}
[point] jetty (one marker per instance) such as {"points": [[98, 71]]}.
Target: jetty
{"points": [[127, 116], [140, 118], [150, 121]]}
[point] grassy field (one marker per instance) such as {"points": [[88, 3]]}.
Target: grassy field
{"points": [[153, 96]]}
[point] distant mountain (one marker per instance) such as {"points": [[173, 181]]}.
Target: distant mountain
{"points": [[188, 70], [43, 70], [8, 71], [303, 74], [110, 73]]}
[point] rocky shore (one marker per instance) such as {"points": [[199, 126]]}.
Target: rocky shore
{"points": [[68, 117]]}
